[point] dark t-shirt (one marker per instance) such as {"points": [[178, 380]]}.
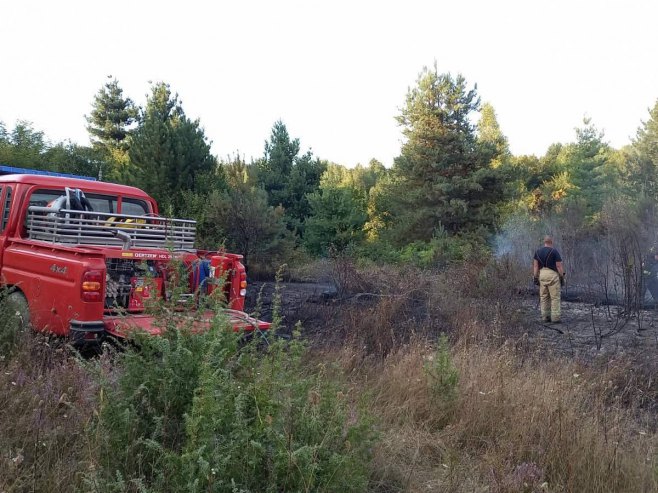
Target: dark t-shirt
{"points": [[547, 257]]}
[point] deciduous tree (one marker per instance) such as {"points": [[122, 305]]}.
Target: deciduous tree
{"points": [[23, 147], [241, 219]]}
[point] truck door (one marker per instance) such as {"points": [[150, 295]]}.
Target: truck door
{"points": [[5, 209]]}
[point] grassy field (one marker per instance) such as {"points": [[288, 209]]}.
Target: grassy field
{"points": [[385, 404]]}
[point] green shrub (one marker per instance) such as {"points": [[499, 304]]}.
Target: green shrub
{"points": [[143, 403], [11, 327], [201, 412], [442, 378], [441, 250], [263, 423]]}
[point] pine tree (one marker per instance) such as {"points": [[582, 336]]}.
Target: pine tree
{"points": [[169, 152], [442, 180], [337, 220], [493, 144], [304, 179], [287, 177], [643, 165]]}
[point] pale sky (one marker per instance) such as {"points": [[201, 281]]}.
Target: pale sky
{"points": [[336, 72]]}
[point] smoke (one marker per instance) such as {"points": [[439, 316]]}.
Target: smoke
{"points": [[603, 256], [519, 237]]}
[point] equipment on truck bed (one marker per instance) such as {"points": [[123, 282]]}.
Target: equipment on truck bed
{"points": [[87, 257]]}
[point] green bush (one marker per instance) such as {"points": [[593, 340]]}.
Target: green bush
{"points": [[441, 250], [144, 399], [11, 326], [442, 378], [263, 423], [200, 412]]}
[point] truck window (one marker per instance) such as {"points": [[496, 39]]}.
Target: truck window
{"points": [[7, 208], [134, 207], [100, 203], [1, 209]]}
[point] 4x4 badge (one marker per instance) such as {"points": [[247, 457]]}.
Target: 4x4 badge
{"points": [[58, 270]]}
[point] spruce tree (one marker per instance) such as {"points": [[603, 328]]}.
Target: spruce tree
{"points": [[337, 220], [589, 167], [275, 167], [109, 126]]}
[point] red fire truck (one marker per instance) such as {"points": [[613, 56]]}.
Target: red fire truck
{"points": [[83, 259]]}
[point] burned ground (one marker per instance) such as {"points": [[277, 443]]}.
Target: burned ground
{"points": [[589, 331]]}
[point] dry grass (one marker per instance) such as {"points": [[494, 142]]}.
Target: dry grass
{"points": [[46, 401], [531, 423], [380, 308], [521, 419]]}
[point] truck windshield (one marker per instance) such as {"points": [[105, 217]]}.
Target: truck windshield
{"points": [[99, 202]]}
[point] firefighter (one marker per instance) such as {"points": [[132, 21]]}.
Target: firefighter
{"points": [[650, 275], [548, 273]]}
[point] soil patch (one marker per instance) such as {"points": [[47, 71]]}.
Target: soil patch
{"points": [[590, 331]]}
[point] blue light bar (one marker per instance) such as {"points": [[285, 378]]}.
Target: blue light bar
{"points": [[12, 170]]}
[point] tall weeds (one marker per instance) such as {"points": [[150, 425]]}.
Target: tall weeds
{"points": [[492, 411], [47, 400], [540, 425]]}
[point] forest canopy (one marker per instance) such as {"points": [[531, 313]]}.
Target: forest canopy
{"points": [[453, 188]]}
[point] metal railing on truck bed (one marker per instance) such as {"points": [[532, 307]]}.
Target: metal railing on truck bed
{"points": [[106, 229]]}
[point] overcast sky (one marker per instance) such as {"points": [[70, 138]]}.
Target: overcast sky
{"points": [[336, 72]]}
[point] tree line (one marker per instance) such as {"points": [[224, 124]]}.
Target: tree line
{"points": [[454, 184]]}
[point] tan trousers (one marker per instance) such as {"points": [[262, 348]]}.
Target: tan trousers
{"points": [[549, 294]]}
